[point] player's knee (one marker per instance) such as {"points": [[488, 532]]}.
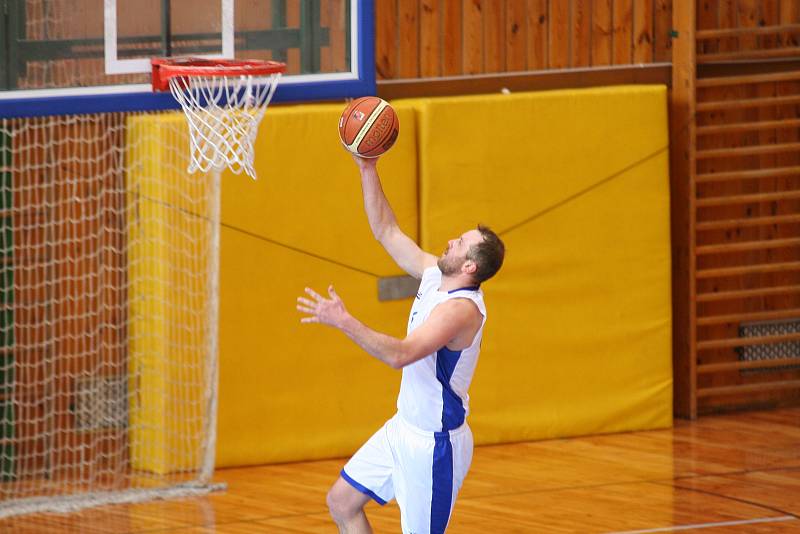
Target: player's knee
{"points": [[338, 506]]}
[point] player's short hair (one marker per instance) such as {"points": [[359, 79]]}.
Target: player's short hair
{"points": [[488, 254]]}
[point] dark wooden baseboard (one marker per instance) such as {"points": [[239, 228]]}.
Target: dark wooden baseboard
{"points": [[655, 73]]}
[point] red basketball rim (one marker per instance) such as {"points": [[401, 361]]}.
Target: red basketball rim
{"points": [[166, 68]]}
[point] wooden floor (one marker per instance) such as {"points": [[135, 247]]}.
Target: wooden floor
{"points": [[732, 473]]}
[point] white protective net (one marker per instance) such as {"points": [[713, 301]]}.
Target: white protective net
{"points": [[223, 113], [108, 330]]}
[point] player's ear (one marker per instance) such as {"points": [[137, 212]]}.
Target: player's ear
{"points": [[469, 267]]}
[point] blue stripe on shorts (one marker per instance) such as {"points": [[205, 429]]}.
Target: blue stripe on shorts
{"points": [[442, 482], [363, 489]]}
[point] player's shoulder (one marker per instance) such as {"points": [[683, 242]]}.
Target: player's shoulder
{"points": [[460, 308], [468, 301]]}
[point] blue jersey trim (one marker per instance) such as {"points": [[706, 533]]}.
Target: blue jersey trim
{"points": [[442, 492], [453, 412], [363, 489], [468, 288]]}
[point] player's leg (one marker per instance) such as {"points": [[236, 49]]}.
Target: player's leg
{"points": [[346, 506], [368, 475]]}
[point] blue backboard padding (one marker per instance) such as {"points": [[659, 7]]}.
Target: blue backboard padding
{"points": [[81, 104], [146, 101]]}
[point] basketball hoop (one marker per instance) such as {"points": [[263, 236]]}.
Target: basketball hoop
{"points": [[224, 101]]}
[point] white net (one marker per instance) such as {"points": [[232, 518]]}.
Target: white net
{"points": [[108, 312], [223, 113]]}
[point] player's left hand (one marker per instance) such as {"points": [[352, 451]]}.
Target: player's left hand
{"points": [[326, 311]]}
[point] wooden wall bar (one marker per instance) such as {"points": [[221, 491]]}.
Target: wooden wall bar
{"points": [[747, 198], [433, 38], [747, 29], [744, 201]]}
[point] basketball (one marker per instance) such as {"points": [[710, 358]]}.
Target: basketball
{"points": [[368, 127]]}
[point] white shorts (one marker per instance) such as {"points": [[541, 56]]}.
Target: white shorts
{"points": [[422, 470]]}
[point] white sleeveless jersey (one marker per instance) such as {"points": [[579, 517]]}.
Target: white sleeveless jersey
{"points": [[433, 391]]}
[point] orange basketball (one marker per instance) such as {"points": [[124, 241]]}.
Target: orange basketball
{"points": [[368, 127]]}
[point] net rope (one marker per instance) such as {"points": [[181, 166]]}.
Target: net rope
{"points": [[223, 113], [108, 312]]}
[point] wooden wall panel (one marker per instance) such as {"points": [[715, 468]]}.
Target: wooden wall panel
{"points": [[662, 24], [516, 35], [560, 34], [643, 33], [538, 35], [453, 31], [748, 18], [409, 40], [472, 40], [429, 38], [494, 49], [581, 33], [386, 28], [623, 31], [726, 18], [602, 32]]}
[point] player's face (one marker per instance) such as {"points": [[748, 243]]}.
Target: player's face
{"points": [[455, 254]]}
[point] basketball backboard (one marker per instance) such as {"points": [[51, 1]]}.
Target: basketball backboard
{"points": [[173, 22], [81, 56]]}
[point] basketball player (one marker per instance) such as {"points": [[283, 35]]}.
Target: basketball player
{"points": [[422, 454]]}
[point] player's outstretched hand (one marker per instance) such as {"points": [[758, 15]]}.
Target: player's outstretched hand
{"points": [[326, 311]]}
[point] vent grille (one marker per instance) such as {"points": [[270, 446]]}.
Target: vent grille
{"points": [[769, 351]]}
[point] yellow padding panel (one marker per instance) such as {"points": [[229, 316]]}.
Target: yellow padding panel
{"points": [[578, 339], [290, 391], [168, 284]]}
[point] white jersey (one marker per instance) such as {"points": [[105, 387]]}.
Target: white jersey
{"points": [[433, 392]]}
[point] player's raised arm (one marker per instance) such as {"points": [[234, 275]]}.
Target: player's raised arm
{"points": [[405, 252]]}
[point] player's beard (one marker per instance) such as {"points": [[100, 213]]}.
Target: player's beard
{"points": [[449, 265]]}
